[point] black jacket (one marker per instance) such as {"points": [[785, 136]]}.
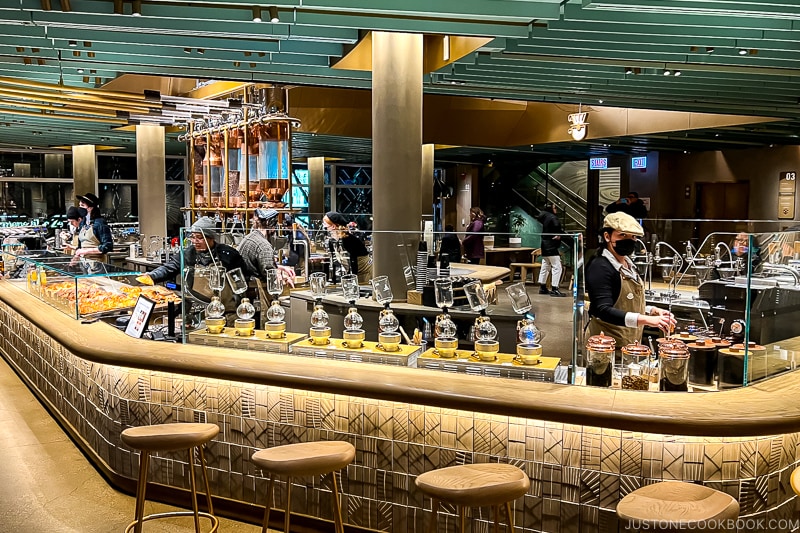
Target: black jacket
{"points": [[451, 245], [226, 255], [604, 285], [637, 209], [551, 227]]}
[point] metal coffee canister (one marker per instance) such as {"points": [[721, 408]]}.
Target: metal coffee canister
{"points": [[703, 362], [731, 364], [674, 358], [600, 350]]}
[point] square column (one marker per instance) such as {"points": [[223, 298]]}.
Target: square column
{"points": [[151, 177], [397, 62]]}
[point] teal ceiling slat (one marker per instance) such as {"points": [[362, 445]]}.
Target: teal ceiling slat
{"points": [[773, 9], [525, 10]]}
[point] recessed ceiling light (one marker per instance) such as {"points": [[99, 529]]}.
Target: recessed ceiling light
{"points": [[709, 49], [742, 52], [73, 44], [600, 101], [628, 70], [677, 73], [667, 72], [80, 71]]}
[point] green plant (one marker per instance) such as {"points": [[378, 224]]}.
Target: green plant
{"points": [[517, 223]]}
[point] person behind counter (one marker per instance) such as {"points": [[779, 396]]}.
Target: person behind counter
{"points": [[257, 251], [616, 292], [94, 239], [360, 261], [90, 203], [203, 251]]}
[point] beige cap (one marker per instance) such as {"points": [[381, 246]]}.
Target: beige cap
{"points": [[623, 222]]}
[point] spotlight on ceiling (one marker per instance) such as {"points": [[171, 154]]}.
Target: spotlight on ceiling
{"points": [[73, 44], [80, 71], [136, 8], [742, 51], [628, 70], [201, 51], [273, 14], [667, 72], [66, 7], [677, 73], [256, 14], [46, 5], [187, 50], [118, 7], [709, 49]]}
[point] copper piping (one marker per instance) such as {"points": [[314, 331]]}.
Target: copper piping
{"points": [[63, 117]]}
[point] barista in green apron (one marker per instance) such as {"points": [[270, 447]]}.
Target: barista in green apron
{"points": [[616, 292]]}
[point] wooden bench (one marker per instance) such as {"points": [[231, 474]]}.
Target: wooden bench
{"points": [[533, 267]]}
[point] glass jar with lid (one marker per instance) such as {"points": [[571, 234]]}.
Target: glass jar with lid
{"points": [[636, 366], [674, 357], [600, 360]]}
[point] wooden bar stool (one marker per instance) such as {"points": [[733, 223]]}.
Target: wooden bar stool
{"points": [[475, 485], [304, 459], [676, 505], [167, 438]]}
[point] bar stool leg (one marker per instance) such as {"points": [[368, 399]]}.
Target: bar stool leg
{"points": [[144, 461], [496, 511], [462, 513], [510, 517], [288, 504], [193, 484], [205, 480], [337, 506], [435, 517], [269, 502]]}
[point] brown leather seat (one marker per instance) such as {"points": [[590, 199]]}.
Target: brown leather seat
{"points": [[678, 505], [167, 438], [305, 459], [475, 485]]}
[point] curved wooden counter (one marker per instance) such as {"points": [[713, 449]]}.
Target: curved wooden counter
{"points": [[765, 409]]}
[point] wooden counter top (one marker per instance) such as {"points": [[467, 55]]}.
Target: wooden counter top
{"points": [[764, 409]]}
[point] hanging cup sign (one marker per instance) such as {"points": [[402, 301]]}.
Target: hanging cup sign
{"points": [[578, 125]]}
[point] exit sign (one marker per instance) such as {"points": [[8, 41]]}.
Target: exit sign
{"points": [[598, 163], [639, 162]]}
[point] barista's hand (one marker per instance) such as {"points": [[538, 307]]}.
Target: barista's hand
{"points": [[286, 274], [144, 279], [661, 319]]}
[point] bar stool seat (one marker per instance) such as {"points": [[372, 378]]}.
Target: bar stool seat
{"points": [[167, 438], [678, 504], [475, 485], [304, 459], [795, 478]]}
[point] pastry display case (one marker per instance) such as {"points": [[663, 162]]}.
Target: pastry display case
{"points": [[79, 288]]}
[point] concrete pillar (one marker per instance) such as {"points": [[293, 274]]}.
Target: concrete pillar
{"points": [[151, 174], [426, 183], [396, 152], [316, 186], [84, 171]]}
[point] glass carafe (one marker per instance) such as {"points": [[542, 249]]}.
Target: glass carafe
{"points": [[353, 334], [320, 332], [446, 341], [388, 324], [486, 347], [528, 350], [245, 323], [276, 325], [674, 362]]}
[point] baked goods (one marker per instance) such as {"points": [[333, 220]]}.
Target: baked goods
{"points": [[94, 298]]}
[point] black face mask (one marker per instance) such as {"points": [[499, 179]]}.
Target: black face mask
{"points": [[625, 247]]}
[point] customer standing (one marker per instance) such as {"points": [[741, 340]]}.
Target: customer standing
{"points": [[616, 292], [551, 242], [631, 205], [473, 242]]}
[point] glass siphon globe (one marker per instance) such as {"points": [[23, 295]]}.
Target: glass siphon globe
{"points": [[529, 333], [446, 328], [245, 310], [215, 309], [388, 323], [319, 318], [276, 312], [353, 320], [485, 331]]}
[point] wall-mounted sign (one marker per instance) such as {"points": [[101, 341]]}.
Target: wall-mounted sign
{"points": [[578, 125], [639, 162], [598, 163], [786, 194]]}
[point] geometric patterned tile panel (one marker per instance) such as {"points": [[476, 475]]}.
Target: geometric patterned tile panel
{"points": [[578, 473]]}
